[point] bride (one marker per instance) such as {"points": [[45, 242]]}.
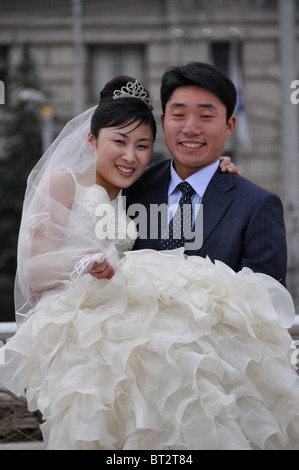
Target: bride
{"points": [[124, 349]]}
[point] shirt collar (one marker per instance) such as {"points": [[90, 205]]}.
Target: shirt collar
{"points": [[199, 180]]}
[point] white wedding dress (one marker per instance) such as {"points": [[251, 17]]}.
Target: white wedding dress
{"points": [[172, 353]]}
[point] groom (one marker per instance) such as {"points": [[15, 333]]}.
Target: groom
{"points": [[241, 224]]}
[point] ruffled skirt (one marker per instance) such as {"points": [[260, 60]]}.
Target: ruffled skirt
{"points": [[172, 353]]}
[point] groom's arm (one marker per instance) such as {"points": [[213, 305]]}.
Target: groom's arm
{"points": [[264, 243]]}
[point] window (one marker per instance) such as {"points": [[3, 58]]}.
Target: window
{"points": [[105, 62], [220, 55], [227, 56]]}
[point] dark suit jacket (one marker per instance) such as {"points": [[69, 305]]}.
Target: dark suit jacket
{"points": [[243, 224]]}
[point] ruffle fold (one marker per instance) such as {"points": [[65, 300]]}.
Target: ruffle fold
{"points": [[172, 353]]}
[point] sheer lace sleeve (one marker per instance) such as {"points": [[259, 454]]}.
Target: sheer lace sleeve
{"points": [[54, 237]]}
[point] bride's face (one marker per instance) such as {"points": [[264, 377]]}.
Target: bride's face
{"points": [[123, 154]]}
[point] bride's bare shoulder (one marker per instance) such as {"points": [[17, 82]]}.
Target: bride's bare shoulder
{"points": [[62, 188]]}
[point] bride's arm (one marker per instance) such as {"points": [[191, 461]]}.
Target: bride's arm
{"points": [[58, 200], [56, 247]]}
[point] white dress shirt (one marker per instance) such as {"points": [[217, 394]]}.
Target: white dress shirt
{"points": [[199, 182]]}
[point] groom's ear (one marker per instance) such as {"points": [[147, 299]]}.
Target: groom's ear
{"points": [[231, 125], [92, 143]]}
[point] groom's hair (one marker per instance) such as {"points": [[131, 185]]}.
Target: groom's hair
{"points": [[201, 75]]}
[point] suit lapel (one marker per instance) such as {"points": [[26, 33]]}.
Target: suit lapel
{"points": [[157, 186], [156, 191], [216, 200]]}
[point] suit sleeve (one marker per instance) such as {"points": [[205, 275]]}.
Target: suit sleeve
{"points": [[265, 247]]}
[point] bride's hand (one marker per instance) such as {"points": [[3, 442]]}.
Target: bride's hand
{"points": [[102, 270], [226, 165]]}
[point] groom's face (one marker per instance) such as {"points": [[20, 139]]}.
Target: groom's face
{"points": [[195, 128]]}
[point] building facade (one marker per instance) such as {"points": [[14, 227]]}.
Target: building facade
{"points": [[78, 45]]}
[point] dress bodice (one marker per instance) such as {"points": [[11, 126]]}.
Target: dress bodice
{"points": [[106, 218]]}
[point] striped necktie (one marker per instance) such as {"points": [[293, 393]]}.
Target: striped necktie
{"points": [[181, 223]]}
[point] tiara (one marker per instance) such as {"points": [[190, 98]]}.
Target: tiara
{"points": [[133, 90]]}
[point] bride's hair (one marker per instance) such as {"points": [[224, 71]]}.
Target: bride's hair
{"points": [[123, 111]]}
